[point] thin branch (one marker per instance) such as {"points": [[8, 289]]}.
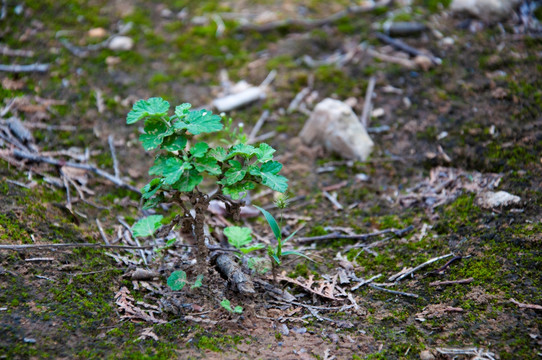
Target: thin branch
{"points": [[367, 106], [526, 306], [394, 291], [5, 50], [400, 45], [258, 126], [336, 204], [111, 141], [310, 23], [113, 179], [355, 237], [411, 271], [72, 245], [24, 68], [364, 282], [450, 282], [102, 233]]}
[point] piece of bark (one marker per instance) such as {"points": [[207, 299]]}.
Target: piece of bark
{"points": [[233, 272]]}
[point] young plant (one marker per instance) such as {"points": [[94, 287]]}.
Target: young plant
{"points": [[182, 164], [240, 237], [276, 253], [227, 305], [177, 280]]}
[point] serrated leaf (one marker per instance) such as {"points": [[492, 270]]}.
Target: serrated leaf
{"points": [[151, 188], [177, 280], [207, 164], [272, 223], [234, 191], [174, 142], [200, 121], [147, 226], [238, 236], [272, 167], [198, 150], [159, 165], [274, 182], [174, 169], [198, 283], [234, 174], [153, 202], [243, 150], [264, 153], [182, 110], [219, 153], [155, 131], [151, 107], [188, 181]]}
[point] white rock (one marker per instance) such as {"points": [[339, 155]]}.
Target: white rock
{"points": [[487, 10], [121, 43], [426, 355], [334, 125], [490, 199]]}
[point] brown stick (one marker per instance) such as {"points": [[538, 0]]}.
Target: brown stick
{"points": [[309, 23], [38, 158], [400, 45], [24, 68], [450, 282], [355, 237], [526, 306]]}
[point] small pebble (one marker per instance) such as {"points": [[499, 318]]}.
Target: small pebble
{"points": [[121, 43]]}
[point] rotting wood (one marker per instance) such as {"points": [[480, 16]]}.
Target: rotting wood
{"points": [[233, 272]]}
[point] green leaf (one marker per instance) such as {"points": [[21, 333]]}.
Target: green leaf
{"points": [[248, 249], [151, 188], [159, 165], [177, 280], [275, 182], [155, 131], [153, 202], [147, 226], [182, 110], [242, 149], [238, 236], [198, 283], [272, 167], [188, 181], [198, 150], [234, 174], [264, 153], [219, 153], [200, 121], [290, 236], [151, 107], [226, 305], [272, 223], [234, 191], [292, 252], [207, 164], [174, 142], [174, 169], [238, 310]]}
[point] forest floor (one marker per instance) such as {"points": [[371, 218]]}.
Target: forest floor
{"points": [[444, 135]]}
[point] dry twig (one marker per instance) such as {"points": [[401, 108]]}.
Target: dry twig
{"points": [[450, 282], [411, 271], [355, 237], [41, 68], [365, 115]]}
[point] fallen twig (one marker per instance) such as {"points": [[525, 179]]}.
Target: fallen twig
{"points": [[480, 354], [25, 68], [450, 282], [311, 23], [336, 204], [257, 127], [400, 45], [364, 282], [411, 271], [526, 306], [111, 141], [38, 158], [102, 233], [5, 50], [71, 245], [294, 104], [355, 237], [394, 291], [365, 115], [409, 64]]}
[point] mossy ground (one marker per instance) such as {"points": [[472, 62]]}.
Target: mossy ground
{"points": [[487, 101]]}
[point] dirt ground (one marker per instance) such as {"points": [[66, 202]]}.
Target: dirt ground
{"points": [[444, 134]]}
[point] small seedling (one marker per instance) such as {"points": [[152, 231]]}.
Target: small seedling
{"points": [[183, 164], [276, 253], [227, 305], [177, 280], [240, 237]]}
